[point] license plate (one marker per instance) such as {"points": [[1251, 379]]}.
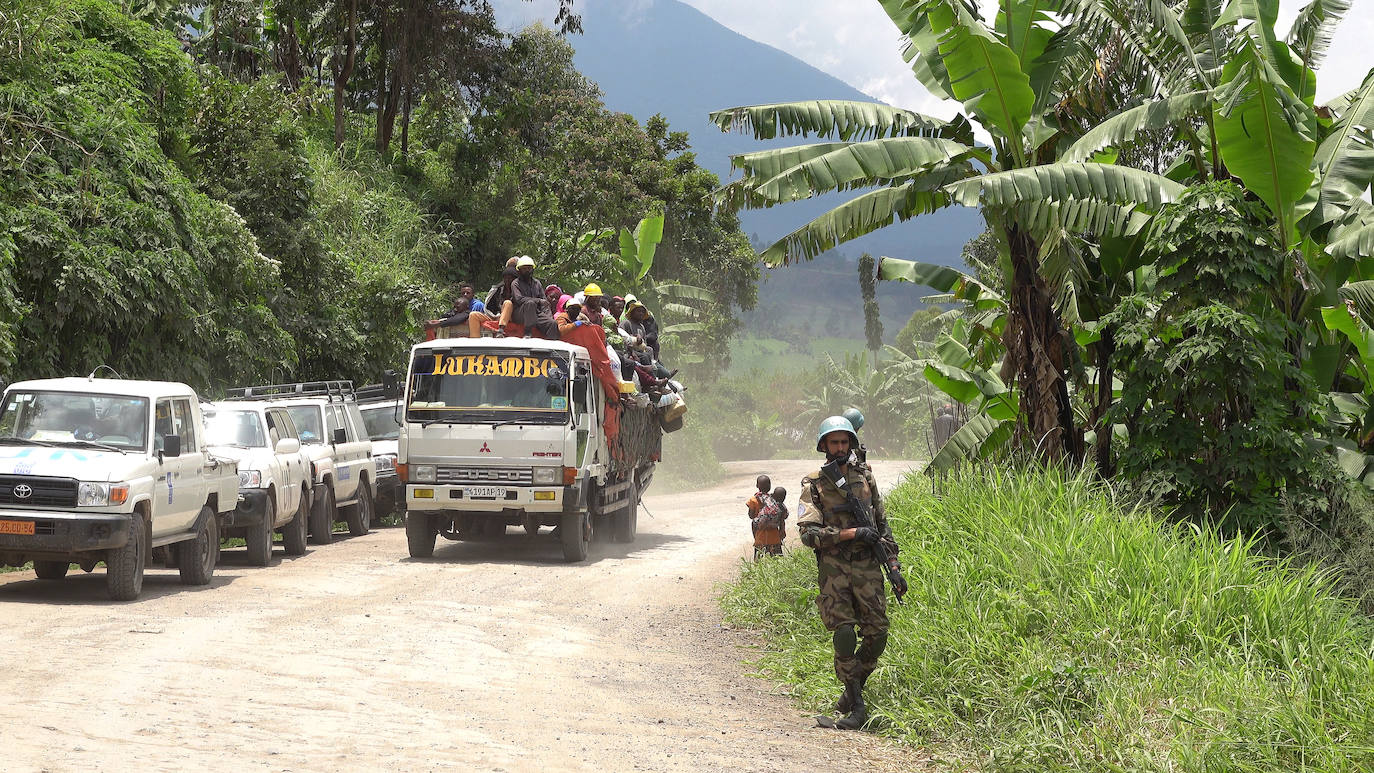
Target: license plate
{"points": [[486, 492], [16, 527]]}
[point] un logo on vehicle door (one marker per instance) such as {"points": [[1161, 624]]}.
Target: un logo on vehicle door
{"points": [[23, 491]]}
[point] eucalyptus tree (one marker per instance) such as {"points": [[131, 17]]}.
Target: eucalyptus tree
{"points": [[1010, 74]]}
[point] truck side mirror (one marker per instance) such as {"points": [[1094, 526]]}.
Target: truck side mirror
{"points": [[288, 445], [171, 445], [340, 436], [391, 384]]}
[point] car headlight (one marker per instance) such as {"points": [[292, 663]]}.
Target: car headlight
{"points": [[101, 494], [250, 479], [386, 464], [547, 476], [423, 473]]}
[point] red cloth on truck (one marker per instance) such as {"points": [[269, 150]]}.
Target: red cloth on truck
{"points": [[514, 329], [593, 339]]}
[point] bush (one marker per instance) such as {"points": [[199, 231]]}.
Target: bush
{"points": [[1050, 626]]}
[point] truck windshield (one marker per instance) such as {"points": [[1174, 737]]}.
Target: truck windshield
{"points": [[112, 420], [380, 421], [470, 386], [234, 428], [309, 423]]}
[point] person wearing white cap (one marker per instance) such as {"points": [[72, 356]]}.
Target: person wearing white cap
{"points": [[531, 305]]}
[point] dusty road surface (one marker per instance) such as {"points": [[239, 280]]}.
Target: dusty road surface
{"points": [[491, 656]]}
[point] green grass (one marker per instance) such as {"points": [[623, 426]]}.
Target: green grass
{"points": [[772, 355], [1051, 627]]}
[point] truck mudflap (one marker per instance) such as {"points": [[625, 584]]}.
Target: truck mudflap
{"points": [[60, 534], [252, 506]]}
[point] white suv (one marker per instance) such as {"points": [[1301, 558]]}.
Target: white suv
{"points": [[381, 419], [335, 440], [274, 475]]}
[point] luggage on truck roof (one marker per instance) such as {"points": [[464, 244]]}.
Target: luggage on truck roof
{"points": [[342, 390]]}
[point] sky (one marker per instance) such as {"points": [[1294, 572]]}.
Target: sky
{"points": [[854, 41]]}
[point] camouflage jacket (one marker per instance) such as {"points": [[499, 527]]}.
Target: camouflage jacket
{"points": [[823, 511]]}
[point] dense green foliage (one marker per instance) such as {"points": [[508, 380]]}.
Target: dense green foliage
{"points": [[1049, 626]]}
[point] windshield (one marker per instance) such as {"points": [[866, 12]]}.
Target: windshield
{"points": [[113, 420], [457, 386], [234, 428], [380, 421], [308, 422]]}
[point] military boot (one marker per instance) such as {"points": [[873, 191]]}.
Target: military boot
{"points": [[858, 714]]}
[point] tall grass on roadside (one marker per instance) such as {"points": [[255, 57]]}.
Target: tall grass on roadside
{"points": [[1051, 627]]}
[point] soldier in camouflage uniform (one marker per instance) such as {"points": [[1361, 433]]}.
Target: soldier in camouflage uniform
{"points": [[852, 599]]}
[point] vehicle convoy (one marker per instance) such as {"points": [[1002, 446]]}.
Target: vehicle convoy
{"points": [[508, 431], [112, 470], [382, 420], [274, 475], [331, 431]]}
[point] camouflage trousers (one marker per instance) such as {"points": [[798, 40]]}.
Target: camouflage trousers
{"points": [[852, 593]]}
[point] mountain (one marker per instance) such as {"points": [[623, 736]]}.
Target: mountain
{"points": [[663, 56]]}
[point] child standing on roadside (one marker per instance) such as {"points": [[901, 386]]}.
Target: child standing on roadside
{"points": [[766, 516]]}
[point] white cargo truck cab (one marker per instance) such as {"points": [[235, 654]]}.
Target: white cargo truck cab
{"points": [[505, 431], [111, 470]]}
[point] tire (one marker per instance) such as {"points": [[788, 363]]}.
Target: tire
{"points": [[322, 518], [50, 570], [196, 558], [420, 535], [359, 516], [258, 540], [293, 534], [625, 522], [573, 530], [124, 566]]}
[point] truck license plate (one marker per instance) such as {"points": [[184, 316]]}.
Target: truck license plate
{"points": [[16, 527], [486, 492]]}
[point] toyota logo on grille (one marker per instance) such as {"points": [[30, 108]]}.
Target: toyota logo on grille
{"points": [[23, 491]]}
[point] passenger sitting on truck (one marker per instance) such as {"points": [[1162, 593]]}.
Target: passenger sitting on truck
{"points": [[532, 308], [570, 318], [461, 316], [553, 293], [617, 308], [466, 290], [634, 331], [502, 299], [591, 304]]}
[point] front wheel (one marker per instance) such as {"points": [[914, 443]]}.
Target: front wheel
{"points": [[360, 514], [322, 517], [575, 530], [420, 534], [197, 557], [50, 570], [124, 566], [258, 540], [293, 533]]}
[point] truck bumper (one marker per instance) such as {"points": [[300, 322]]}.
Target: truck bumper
{"points": [[534, 499], [251, 508], [59, 533]]}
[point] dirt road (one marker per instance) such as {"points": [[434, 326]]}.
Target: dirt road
{"points": [[491, 656]]}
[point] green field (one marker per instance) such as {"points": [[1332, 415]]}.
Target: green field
{"points": [[772, 355]]}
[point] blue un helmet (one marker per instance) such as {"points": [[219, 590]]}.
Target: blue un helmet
{"points": [[856, 418], [835, 424]]}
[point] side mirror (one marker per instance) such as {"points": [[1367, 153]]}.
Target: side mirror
{"points": [[340, 436], [391, 384], [171, 445], [288, 445]]}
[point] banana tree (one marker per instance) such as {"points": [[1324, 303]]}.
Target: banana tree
{"points": [[1009, 73]]}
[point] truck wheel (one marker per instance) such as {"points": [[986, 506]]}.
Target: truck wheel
{"points": [[625, 522], [258, 540], [124, 566], [322, 518], [574, 530], [196, 558], [50, 570], [293, 533], [420, 534], [360, 514]]}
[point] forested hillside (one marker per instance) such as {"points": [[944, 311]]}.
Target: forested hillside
{"points": [[215, 195]]}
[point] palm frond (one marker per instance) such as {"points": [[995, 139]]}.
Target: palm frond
{"points": [[846, 120], [862, 215], [1064, 182], [1313, 29], [1124, 126]]}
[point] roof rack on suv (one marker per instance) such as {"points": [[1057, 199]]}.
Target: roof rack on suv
{"points": [[341, 390]]}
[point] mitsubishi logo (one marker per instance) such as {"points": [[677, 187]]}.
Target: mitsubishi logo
{"points": [[23, 491], [484, 449]]}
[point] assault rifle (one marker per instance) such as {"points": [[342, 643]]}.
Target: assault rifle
{"points": [[864, 517]]}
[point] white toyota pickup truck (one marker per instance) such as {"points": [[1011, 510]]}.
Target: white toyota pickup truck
{"points": [[111, 470]]}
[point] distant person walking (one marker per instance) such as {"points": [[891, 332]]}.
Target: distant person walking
{"points": [[767, 515], [944, 426]]}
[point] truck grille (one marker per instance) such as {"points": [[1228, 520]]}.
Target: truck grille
{"points": [[469, 475], [45, 492]]}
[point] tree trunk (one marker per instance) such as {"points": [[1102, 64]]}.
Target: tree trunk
{"points": [[405, 120], [1106, 349], [289, 53], [344, 71], [400, 77], [383, 55], [1036, 355]]}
